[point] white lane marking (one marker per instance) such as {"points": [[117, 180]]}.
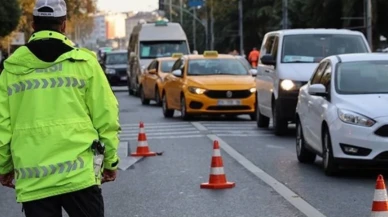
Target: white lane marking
{"points": [[160, 134], [244, 135], [155, 124], [125, 160], [162, 137], [282, 190], [161, 129], [285, 192], [199, 126]]}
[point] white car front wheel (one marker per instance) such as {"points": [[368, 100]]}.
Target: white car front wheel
{"points": [[330, 167]]}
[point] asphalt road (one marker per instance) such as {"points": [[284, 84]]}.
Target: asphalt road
{"points": [[269, 179]]}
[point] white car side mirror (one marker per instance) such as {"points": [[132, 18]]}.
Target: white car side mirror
{"points": [[177, 73], [253, 72], [317, 90]]}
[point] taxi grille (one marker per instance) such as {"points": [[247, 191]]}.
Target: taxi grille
{"points": [[225, 108], [382, 131], [222, 94]]}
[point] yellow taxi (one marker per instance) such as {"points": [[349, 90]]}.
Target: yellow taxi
{"points": [[151, 81], [209, 84]]}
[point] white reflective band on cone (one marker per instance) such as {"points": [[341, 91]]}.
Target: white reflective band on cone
{"points": [[142, 144], [380, 195], [141, 130], [217, 171], [380, 214], [216, 153]]}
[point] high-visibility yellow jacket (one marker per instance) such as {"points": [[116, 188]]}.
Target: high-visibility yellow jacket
{"points": [[50, 113]]}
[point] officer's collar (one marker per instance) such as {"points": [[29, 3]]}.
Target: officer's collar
{"points": [[50, 34]]}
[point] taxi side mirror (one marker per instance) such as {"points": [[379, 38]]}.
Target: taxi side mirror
{"points": [[177, 73], [253, 72], [152, 71]]}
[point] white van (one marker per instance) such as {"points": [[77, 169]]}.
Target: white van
{"points": [[287, 61], [149, 41]]}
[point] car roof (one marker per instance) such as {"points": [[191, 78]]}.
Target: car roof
{"points": [[201, 56], [315, 31], [360, 57], [166, 58]]}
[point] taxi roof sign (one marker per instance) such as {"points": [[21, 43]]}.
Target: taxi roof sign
{"points": [[161, 22], [177, 55], [210, 54]]}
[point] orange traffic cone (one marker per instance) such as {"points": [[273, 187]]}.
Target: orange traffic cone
{"points": [[380, 200], [217, 178], [142, 144]]}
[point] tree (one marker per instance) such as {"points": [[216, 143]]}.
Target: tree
{"points": [[9, 16]]}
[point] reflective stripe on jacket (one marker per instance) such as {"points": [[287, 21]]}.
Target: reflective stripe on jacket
{"points": [[50, 112]]}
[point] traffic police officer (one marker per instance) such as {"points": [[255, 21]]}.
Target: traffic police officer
{"points": [[55, 102]]}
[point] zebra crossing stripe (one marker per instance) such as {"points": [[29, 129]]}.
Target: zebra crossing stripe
{"points": [[43, 171], [43, 83]]}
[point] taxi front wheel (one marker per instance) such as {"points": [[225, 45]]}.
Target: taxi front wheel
{"points": [[168, 113], [144, 101], [184, 114]]}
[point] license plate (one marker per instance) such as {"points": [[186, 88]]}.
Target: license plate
{"points": [[123, 78], [229, 102]]}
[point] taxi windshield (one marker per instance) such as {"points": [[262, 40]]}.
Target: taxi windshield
{"points": [[364, 77], [216, 67], [312, 48], [167, 65], [154, 49], [115, 59]]}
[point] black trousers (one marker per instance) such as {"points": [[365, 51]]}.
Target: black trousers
{"points": [[84, 203]]}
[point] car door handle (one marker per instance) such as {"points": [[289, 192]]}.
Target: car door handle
{"points": [[309, 103], [267, 71]]}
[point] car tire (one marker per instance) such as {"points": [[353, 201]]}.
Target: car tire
{"points": [[143, 100], [158, 101], [330, 166], [280, 125], [167, 113], [253, 116], [261, 120], [303, 154], [130, 91], [184, 114]]}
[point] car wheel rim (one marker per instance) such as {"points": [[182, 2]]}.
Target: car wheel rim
{"points": [[141, 94], [299, 140], [326, 152], [183, 108]]}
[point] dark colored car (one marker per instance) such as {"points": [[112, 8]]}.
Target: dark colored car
{"points": [[115, 65]]}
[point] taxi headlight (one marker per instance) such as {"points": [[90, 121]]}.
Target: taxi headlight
{"points": [[350, 117], [110, 71], [196, 90], [287, 85], [253, 90]]}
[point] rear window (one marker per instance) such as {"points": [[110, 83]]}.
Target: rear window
{"points": [[312, 48]]}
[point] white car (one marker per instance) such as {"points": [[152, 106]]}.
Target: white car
{"points": [[287, 60], [342, 112]]}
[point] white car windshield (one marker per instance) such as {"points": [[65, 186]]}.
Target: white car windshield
{"points": [[216, 67], [312, 48], [365, 77]]}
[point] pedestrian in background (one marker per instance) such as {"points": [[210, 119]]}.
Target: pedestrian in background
{"points": [[253, 57], [55, 106]]}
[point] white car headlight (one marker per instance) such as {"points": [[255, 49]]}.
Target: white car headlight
{"points": [[253, 90], [350, 117], [196, 90], [287, 85], [110, 71]]}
